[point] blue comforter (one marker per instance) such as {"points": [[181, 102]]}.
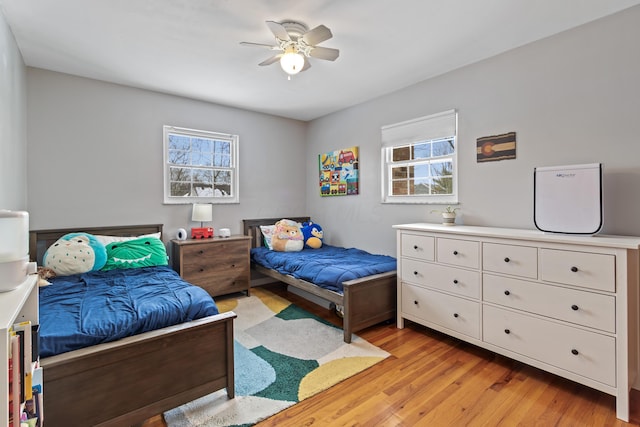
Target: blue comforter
{"points": [[96, 307], [326, 267]]}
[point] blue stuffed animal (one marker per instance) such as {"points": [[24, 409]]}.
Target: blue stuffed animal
{"points": [[312, 234]]}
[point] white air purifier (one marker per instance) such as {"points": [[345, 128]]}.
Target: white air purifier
{"points": [[568, 199]]}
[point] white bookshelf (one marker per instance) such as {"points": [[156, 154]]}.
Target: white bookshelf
{"points": [[18, 305]]}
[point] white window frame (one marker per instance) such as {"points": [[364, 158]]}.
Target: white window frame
{"points": [[233, 167], [430, 128]]}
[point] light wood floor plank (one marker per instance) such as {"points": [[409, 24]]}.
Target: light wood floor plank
{"points": [[435, 380]]}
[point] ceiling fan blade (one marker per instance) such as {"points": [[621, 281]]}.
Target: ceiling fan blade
{"points": [[278, 30], [306, 65], [325, 53], [317, 35], [271, 60], [268, 46]]}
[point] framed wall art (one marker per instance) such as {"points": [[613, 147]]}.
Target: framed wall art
{"points": [[339, 172]]}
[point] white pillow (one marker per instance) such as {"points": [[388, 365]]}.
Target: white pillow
{"points": [[267, 233], [105, 240]]}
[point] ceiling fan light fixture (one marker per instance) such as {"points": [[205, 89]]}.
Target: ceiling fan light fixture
{"points": [[292, 61]]}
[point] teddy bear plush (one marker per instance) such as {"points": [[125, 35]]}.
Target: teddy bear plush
{"points": [[312, 234], [287, 236]]}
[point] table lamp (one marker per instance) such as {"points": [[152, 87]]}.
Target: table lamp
{"points": [[202, 212]]}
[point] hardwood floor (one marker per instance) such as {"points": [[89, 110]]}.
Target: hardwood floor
{"points": [[431, 379]]}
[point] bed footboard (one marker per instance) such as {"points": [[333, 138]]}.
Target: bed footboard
{"points": [[135, 378], [368, 301]]}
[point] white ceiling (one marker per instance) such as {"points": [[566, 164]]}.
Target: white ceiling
{"points": [[191, 47]]}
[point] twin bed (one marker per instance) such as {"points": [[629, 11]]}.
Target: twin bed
{"points": [[105, 376], [101, 376], [367, 294]]}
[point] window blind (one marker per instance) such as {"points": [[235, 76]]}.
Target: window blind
{"points": [[440, 125]]}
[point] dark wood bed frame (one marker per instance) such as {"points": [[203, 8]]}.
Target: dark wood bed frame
{"points": [[366, 301], [130, 380]]}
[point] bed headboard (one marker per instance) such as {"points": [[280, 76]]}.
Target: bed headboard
{"points": [[251, 227], [40, 240]]}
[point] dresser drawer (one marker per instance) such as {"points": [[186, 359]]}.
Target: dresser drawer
{"points": [[417, 246], [579, 307], [463, 253], [510, 259], [449, 279], [450, 312], [584, 353], [588, 270]]}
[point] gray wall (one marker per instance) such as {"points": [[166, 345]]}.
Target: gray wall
{"points": [[95, 149], [95, 155], [573, 98], [13, 125]]}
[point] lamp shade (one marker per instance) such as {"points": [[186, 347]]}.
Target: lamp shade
{"points": [[202, 212], [291, 61]]}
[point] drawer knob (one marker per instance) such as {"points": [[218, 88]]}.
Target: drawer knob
{"points": [[415, 247], [507, 293], [415, 273], [574, 307], [200, 251], [455, 281], [507, 331], [455, 314], [455, 252], [506, 259], [416, 302], [575, 352], [574, 269]]}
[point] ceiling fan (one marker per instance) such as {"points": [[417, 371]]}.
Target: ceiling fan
{"points": [[297, 43]]}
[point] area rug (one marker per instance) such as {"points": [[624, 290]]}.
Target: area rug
{"points": [[283, 354]]}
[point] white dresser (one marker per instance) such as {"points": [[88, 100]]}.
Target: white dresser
{"points": [[564, 303]]}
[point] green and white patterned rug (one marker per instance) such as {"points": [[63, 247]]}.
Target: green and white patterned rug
{"points": [[283, 354]]}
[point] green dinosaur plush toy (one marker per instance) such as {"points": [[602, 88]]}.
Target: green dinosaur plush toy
{"points": [[141, 252]]}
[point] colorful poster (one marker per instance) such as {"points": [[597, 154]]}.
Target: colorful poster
{"points": [[339, 172]]}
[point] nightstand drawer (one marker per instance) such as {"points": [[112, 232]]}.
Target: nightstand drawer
{"points": [[220, 265]]}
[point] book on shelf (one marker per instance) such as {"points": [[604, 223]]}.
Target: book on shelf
{"points": [[23, 330], [17, 384]]}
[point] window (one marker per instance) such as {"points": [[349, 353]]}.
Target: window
{"points": [[419, 160], [200, 166]]}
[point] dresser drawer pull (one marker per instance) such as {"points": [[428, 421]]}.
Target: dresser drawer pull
{"points": [[575, 352], [507, 331], [201, 270], [455, 252], [415, 247], [455, 281], [574, 307], [200, 251], [416, 302], [415, 273], [455, 314], [506, 259], [233, 265], [507, 293], [574, 269]]}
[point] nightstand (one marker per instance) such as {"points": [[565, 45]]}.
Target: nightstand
{"points": [[220, 265]]}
